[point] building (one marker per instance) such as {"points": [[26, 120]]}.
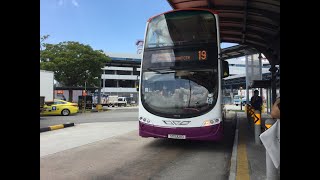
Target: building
{"points": [[121, 76], [238, 65]]}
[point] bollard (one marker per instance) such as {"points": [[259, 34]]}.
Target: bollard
{"points": [[268, 123], [99, 107], [257, 126], [271, 170], [246, 110], [249, 116], [252, 117]]}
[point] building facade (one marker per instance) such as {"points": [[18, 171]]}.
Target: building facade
{"points": [[238, 65], [121, 76]]}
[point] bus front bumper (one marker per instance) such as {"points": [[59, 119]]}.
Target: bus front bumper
{"points": [[207, 133]]}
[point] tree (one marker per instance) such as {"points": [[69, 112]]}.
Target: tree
{"points": [[73, 63], [42, 38]]}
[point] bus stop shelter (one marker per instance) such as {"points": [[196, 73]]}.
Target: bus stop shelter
{"points": [[254, 23]]}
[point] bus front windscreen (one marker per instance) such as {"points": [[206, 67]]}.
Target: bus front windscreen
{"points": [[179, 94], [181, 28]]}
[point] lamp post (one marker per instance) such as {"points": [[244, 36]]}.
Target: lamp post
{"points": [[85, 91], [99, 91], [137, 102], [84, 96], [103, 83]]}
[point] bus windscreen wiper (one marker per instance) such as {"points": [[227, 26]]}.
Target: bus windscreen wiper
{"points": [[161, 70]]}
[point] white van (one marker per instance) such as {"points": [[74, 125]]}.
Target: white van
{"points": [[122, 101]]}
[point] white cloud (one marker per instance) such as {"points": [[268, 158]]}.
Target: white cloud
{"points": [[75, 3]]}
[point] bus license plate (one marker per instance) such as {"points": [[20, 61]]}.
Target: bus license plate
{"points": [[176, 136]]}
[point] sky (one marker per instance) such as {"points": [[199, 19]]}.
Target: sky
{"points": [[108, 25]]}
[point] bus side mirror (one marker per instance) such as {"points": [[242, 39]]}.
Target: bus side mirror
{"points": [[225, 69], [137, 87]]}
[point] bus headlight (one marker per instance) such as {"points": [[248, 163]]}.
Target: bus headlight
{"points": [[211, 122], [145, 120]]}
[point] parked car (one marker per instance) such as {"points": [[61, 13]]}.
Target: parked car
{"points": [[60, 107], [237, 101]]}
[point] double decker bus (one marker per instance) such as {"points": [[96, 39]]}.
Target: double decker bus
{"points": [[181, 72]]}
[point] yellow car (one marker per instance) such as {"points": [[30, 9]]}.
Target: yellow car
{"points": [[60, 107]]}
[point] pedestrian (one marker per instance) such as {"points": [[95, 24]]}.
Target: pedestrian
{"points": [[64, 98], [256, 101]]}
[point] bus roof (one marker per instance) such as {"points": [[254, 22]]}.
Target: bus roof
{"points": [[201, 9]]}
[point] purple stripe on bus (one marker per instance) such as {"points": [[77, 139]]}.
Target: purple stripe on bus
{"points": [[208, 133]]}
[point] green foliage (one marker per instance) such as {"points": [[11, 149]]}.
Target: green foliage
{"points": [[73, 63], [42, 38]]}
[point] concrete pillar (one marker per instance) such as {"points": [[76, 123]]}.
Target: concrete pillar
{"points": [[247, 80], [257, 127], [273, 70], [260, 74], [260, 66]]}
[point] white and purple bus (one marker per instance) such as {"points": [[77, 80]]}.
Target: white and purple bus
{"points": [[181, 72]]}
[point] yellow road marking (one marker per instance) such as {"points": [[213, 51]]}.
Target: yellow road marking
{"points": [[56, 127], [242, 159]]}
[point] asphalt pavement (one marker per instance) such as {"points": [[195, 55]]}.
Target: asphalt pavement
{"points": [[113, 115]]}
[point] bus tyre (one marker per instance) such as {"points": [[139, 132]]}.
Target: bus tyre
{"points": [[65, 112]]}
